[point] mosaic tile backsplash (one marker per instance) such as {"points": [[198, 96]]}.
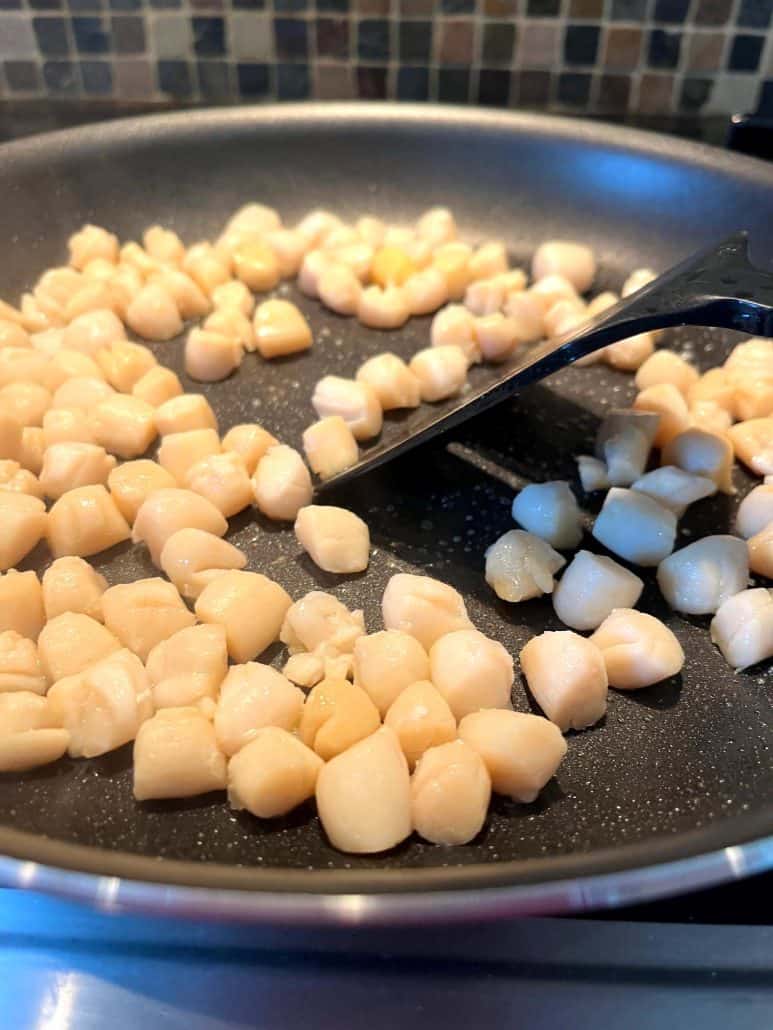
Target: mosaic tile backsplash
{"points": [[646, 57]]}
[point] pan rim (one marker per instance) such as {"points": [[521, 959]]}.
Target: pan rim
{"points": [[721, 847]]}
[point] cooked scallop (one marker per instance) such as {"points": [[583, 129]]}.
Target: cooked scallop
{"points": [[423, 607], [167, 510], [330, 446], [760, 548], [335, 539], [235, 327], [425, 291], [549, 511], [66, 425], [143, 613], [223, 480], [211, 356], [85, 521], [321, 624], [755, 511], [124, 363], [497, 336], [20, 668], [22, 365], [592, 472], [441, 372], [637, 280], [421, 718], [67, 364], [521, 752], [711, 417], [252, 608], [82, 393], [24, 523], [638, 649], [743, 628], [699, 578], [67, 466], [178, 453], [753, 444], [250, 441], [392, 381], [23, 710], [272, 774], [188, 411], [132, 482], [70, 584], [26, 402], [103, 706], [18, 480], [450, 794], [454, 326], [591, 587], [282, 483], [702, 454], [192, 558], [21, 603], [548, 290], [635, 527], [674, 488], [209, 269], [32, 748], [471, 671], [12, 335], [630, 354], [30, 453], [176, 756], [71, 642], [715, 386], [10, 437], [666, 367], [573, 261], [280, 329], [356, 402], [386, 663], [92, 331], [520, 566], [567, 676], [485, 296], [253, 696], [339, 288], [668, 402], [453, 261], [336, 715], [625, 454], [306, 670], [364, 796], [124, 425], [90, 242], [188, 666]]}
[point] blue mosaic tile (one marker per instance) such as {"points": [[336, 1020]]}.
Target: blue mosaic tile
{"points": [[664, 49], [412, 83], [174, 78], [581, 44], [574, 89], [208, 36], [253, 80], [755, 14], [373, 39], [97, 78], [61, 78], [91, 36], [51, 34], [291, 39], [292, 82], [453, 85], [745, 53], [415, 41], [493, 87]]}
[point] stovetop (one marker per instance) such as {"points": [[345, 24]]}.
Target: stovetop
{"points": [[706, 957]]}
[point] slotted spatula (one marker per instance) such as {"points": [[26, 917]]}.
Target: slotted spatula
{"points": [[718, 287]]}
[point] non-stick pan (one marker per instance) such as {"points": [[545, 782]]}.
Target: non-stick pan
{"points": [[674, 789]]}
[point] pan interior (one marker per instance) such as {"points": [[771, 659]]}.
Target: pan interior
{"points": [[692, 754]]}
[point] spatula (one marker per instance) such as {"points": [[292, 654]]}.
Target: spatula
{"points": [[717, 287]]}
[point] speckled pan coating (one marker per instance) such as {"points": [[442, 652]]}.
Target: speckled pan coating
{"points": [[675, 770]]}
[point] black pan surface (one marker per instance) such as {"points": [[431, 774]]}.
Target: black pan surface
{"points": [[674, 771]]}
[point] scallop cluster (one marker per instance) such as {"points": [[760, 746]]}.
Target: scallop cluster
{"points": [[404, 728]]}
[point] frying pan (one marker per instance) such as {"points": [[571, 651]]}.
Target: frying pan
{"points": [[673, 791]]}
